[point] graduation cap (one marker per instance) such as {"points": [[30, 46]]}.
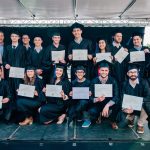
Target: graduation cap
{"points": [[15, 32], [101, 38], [30, 68], [133, 66], [77, 25], [39, 36], [104, 63], [80, 68], [56, 34], [59, 65]]}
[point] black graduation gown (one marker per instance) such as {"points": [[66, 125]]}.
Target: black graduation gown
{"points": [[49, 64], [142, 90], [77, 107], [142, 64], [16, 58], [29, 106], [118, 70], [95, 108], [36, 59], [55, 106], [5, 93], [85, 44]]}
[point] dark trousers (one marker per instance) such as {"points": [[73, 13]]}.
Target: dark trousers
{"points": [[96, 108], [77, 108], [28, 107]]}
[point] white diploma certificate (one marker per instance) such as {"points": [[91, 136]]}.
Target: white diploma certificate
{"points": [[1, 98], [26, 90], [103, 56], [137, 56], [53, 90], [16, 72], [80, 54], [133, 102], [103, 90], [80, 93], [121, 55], [58, 55]]}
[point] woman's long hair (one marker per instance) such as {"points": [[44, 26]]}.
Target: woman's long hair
{"points": [[54, 78], [27, 79], [106, 48]]}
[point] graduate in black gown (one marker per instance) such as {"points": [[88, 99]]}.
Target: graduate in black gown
{"points": [[55, 108], [78, 108], [5, 111], [80, 43], [136, 86], [26, 106], [104, 104], [26, 43], [118, 68], [137, 46], [14, 56], [36, 57], [50, 64], [101, 47]]}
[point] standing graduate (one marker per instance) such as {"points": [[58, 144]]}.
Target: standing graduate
{"points": [[137, 46], [118, 68], [78, 108], [28, 107], [101, 47], [14, 56], [80, 43], [5, 111], [36, 57], [48, 62], [26, 43], [104, 104], [136, 86], [55, 108]]}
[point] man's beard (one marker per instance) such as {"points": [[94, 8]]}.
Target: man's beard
{"points": [[133, 78]]}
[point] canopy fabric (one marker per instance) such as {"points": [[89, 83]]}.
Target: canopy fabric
{"points": [[74, 10]]}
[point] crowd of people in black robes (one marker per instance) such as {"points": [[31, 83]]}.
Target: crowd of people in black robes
{"points": [[126, 77]]}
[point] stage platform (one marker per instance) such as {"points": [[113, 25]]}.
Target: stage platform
{"points": [[74, 137]]}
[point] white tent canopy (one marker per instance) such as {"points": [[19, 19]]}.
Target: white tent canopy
{"points": [[63, 12]]}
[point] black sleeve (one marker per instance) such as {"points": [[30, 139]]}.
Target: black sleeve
{"points": [[90, 48], [66, 87], [47, 60], [5, 56], [115, 92], [7, 93], [146, 91]]}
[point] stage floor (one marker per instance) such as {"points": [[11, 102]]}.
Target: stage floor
{"points": [[41, 135]]}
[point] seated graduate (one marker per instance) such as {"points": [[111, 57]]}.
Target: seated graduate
{"points": [[26, 106], [78, 107], [102, 104], [55, 108], [5, 97], [136, 86]]}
